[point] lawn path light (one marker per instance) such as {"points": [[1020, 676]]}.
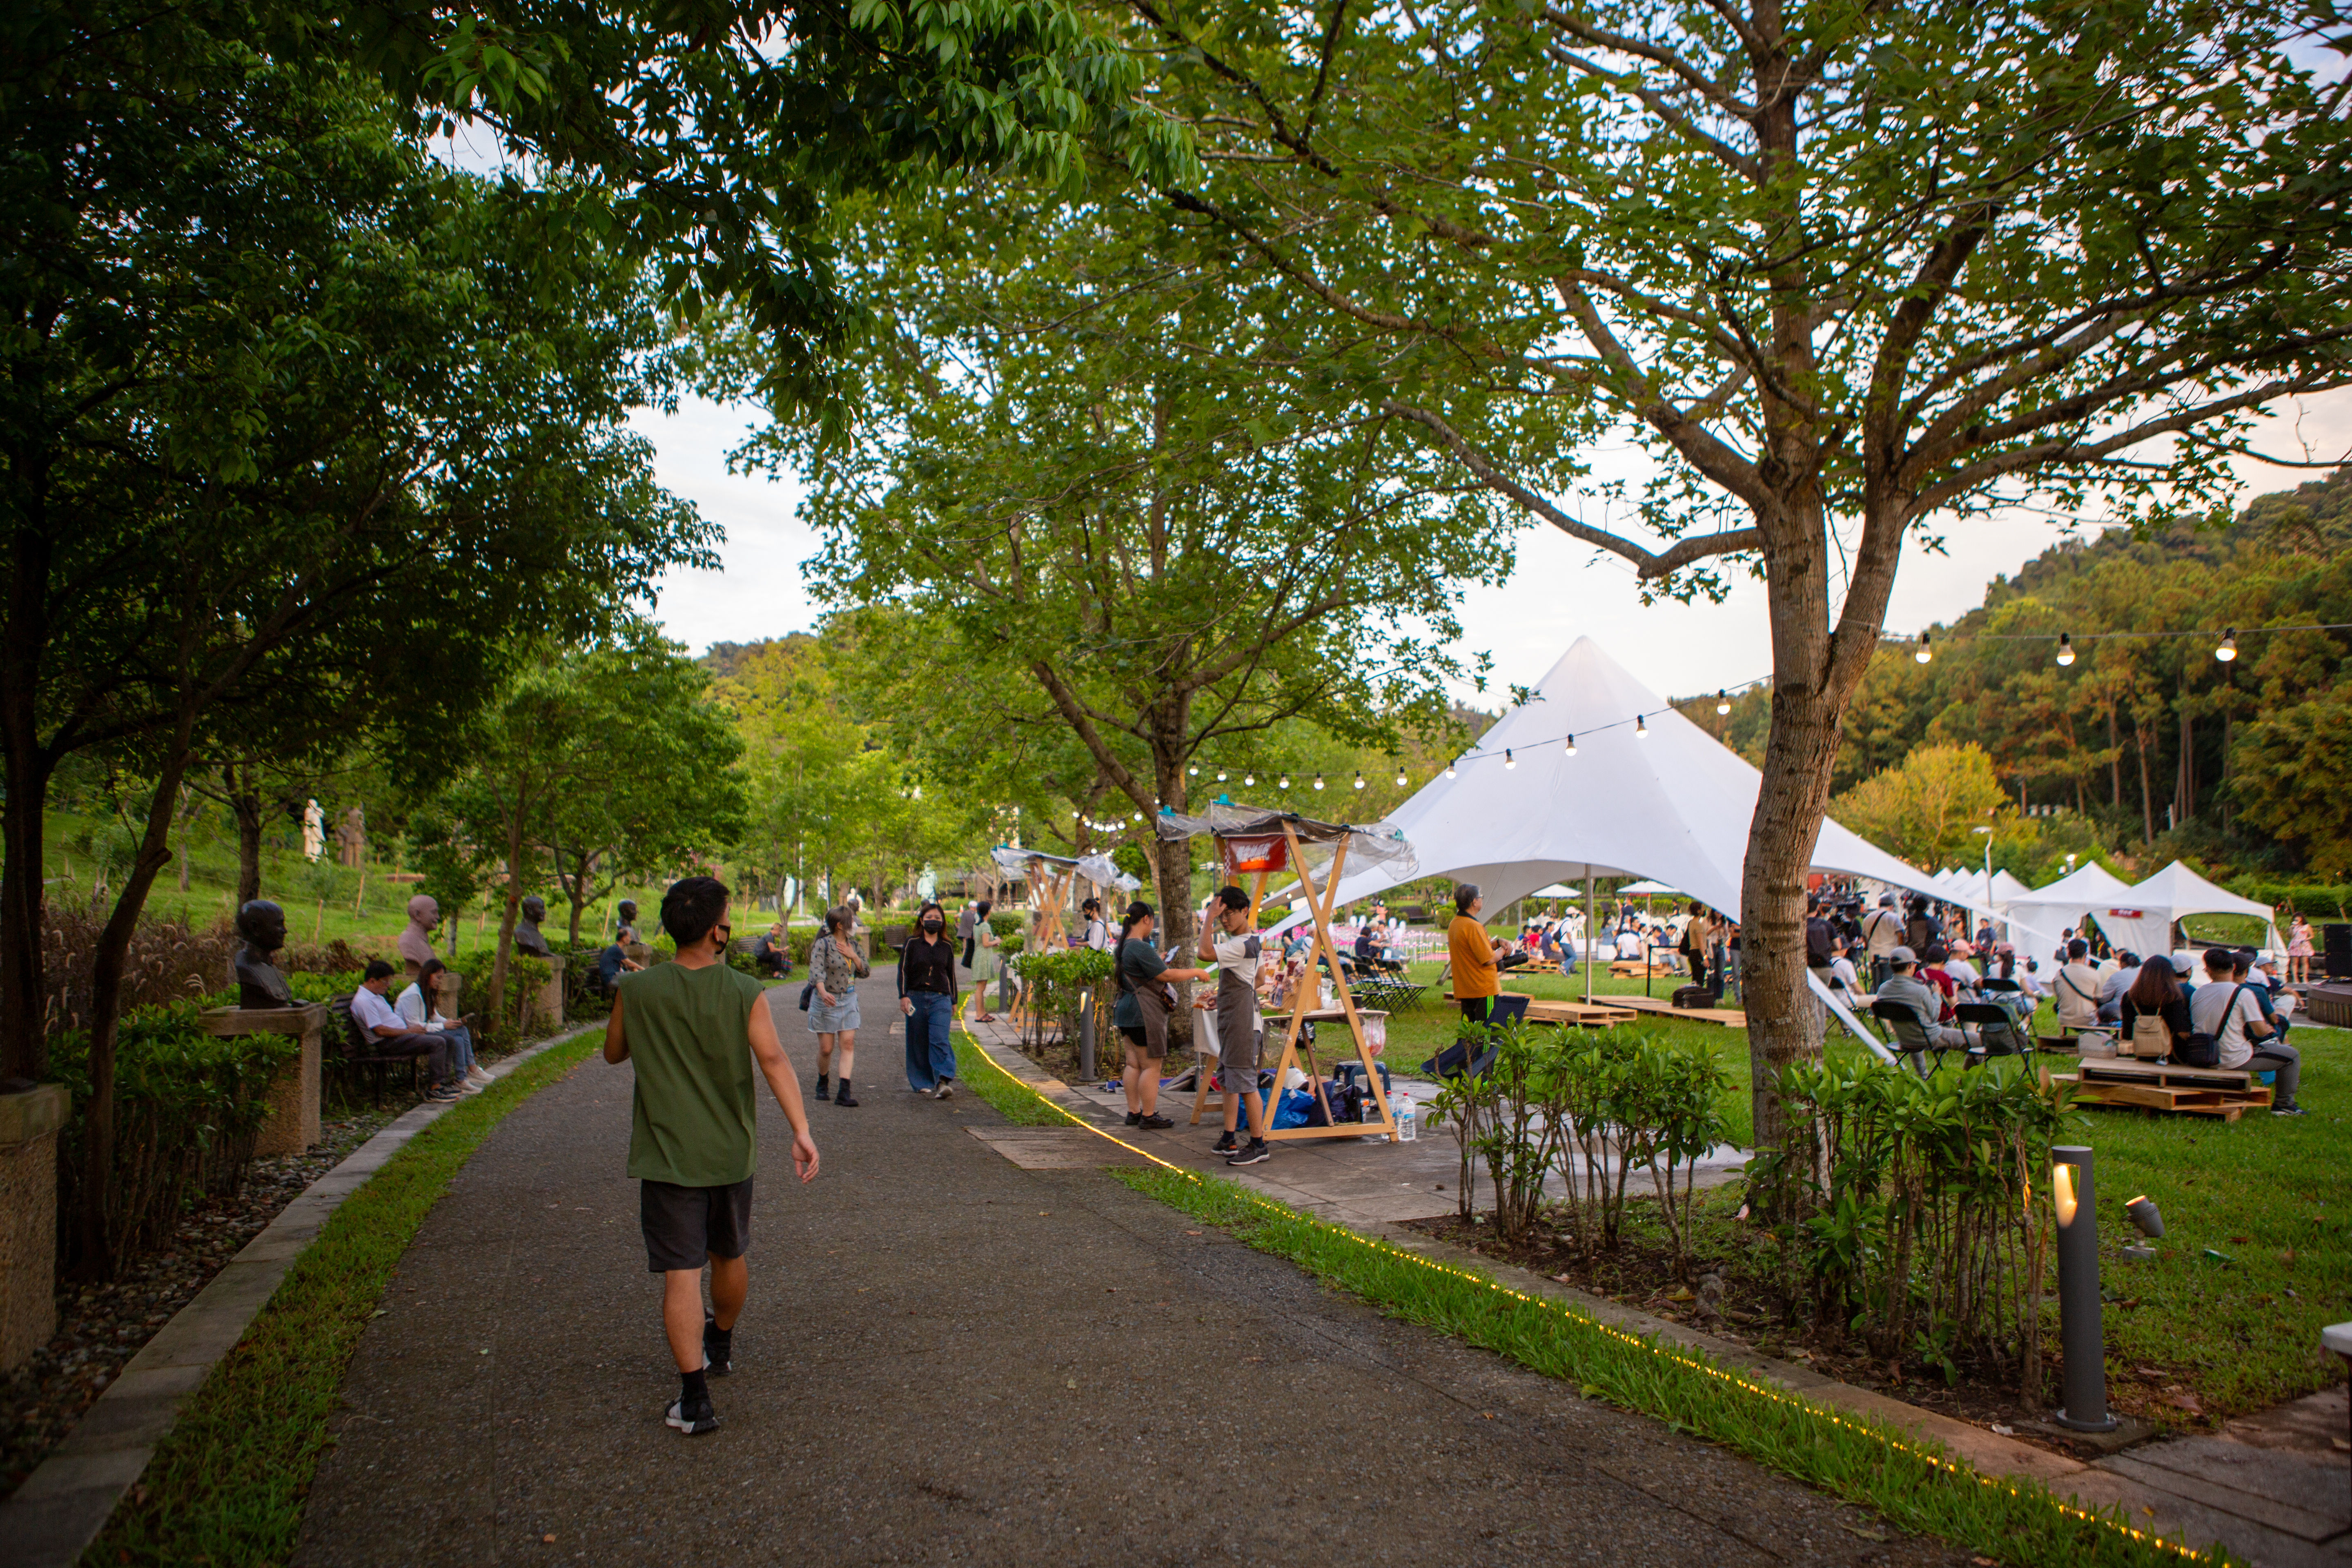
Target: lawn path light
{"points": [[2079, 1333]]}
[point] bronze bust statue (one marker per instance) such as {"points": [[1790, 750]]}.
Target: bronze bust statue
{"points": [[627, 912], [527, 937], [416, 940], [258, 982]]}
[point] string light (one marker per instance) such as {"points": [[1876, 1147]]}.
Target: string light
{"points": [[1360, 778], [1399, 775], [1318, 781], [2066, 647], [1249, 781], [1193, 771], [1722, 703], [1509, 760], [1449, 770], [1221, 775], [1641, 727], [1285, 780], [2228, 649], [1572, 745], [1923, 655]]}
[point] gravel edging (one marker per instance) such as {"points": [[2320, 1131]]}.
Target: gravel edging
{"points": [[58, 1511]]}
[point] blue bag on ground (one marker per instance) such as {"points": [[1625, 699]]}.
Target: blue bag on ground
{"points": [[1291, 1110]]}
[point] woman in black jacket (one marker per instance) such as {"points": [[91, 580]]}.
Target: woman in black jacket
{"points": [[2155, 994]]}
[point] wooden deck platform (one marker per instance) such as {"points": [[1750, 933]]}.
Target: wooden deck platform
{"points": [[1729, 1018], [1595, 1016], [2224, 1092]]}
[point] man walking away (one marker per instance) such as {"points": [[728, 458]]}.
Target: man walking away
{"points": [[694, 1027]]}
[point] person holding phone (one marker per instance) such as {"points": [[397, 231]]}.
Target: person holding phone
{"points": [[835, 969], [1141, 1014]]}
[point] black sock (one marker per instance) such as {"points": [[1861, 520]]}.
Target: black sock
{"points": [[693, 1386], [716, 1338]]}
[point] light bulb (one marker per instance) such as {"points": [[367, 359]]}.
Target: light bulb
{"points": [[1722, 702], [1922, 653], [1641, 727], [1285, 781], [1449, 770], [1400, 778], [1193, 771], [1509, 760], [2228, 649], [2065, 649], [1572, 745], [1360, 778], [1249, 781], [1221, 775], [1318, 781]]}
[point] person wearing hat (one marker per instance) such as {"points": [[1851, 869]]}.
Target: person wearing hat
{"points": [[1903, 984]]}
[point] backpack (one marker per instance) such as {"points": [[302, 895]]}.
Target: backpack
{"points": [[2150, 1037]]}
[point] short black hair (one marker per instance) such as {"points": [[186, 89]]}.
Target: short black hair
{"points": [[691, 907], [1937, 954], [1232, 898], [2221, 959], [377, 970], [1463, 897], [2078, 948]]}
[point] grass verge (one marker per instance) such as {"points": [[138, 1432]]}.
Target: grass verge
{"points": [[226, 1485], [1909, 1481]]}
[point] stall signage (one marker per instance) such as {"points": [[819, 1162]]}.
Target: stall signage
{"points": [[2127, 914], [1250, 857]]}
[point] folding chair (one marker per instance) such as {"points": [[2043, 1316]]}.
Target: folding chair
{"points": [[1997, 1033], [1912, 1037]]}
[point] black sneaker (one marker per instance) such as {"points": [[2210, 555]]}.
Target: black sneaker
{"points": [[1133, 1117], [693, 1422], [2288, 1110], [822, 1093], [1154, 1122], [844, 1097], [1227, 1145], [718, 1349], [1254, 1154]]}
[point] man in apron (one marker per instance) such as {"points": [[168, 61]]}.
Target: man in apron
{"points": [[1230, 939]]}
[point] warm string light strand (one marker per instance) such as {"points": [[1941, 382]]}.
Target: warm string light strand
{"points": [[2225, 647]]}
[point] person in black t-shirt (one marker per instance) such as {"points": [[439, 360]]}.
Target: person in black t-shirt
{"points": [[927, 996]]}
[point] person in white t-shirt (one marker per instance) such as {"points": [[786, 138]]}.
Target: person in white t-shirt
{"points": [[2076, 987], [1097, 934], [2232, 1014], [1229, 937], [380, 1025], [420, 1015]]}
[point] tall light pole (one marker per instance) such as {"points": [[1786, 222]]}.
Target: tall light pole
{"points": [[1988, 863]]}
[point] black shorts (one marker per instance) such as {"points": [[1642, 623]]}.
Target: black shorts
{"points": [[1477, 1009], [687, 1226]]}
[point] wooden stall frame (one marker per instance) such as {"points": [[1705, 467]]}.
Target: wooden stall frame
{"points": [[1319, 905]]}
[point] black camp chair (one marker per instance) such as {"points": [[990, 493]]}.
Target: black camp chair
{"points": [[1913, 1038], [1997, 1032]]}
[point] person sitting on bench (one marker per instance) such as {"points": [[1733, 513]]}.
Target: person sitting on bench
{"points": [[415, 1006], [2230, 1012], [771, 954], [387, 1031]]}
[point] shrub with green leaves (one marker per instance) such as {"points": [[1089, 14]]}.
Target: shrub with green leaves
{"points": [[1056, 982], [1916, 1212]]}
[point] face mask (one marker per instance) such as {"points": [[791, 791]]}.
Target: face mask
{"points": [[935, 925]]}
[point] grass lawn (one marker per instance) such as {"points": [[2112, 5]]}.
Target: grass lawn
{"points": [[2257, 1257]]}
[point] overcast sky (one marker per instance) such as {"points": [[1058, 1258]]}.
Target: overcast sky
{"points": [[1558, 591]]}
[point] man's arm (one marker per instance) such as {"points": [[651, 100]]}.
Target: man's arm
{"points": [[616, 1039], [769, 1052], [2258, 1026]]}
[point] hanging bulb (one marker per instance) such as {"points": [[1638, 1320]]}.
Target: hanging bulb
{"points": [[1572, 745], [1922, 653], [1360, 778], [1399, 777], [1722, 703], [1318, 781], [1221, 775], [1249, 781], [1641, 727], [1449, 770], [1285, 781], [2065, 649], [2228, 649], [1193, 771], [1509, 760]]}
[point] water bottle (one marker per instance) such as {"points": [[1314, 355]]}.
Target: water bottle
{"points": [[1408, 1128]]}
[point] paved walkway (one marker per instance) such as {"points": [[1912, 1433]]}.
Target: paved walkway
{"points": [[949, 1357]]}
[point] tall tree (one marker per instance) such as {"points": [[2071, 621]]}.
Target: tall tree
{"points": [[1851, 274]]}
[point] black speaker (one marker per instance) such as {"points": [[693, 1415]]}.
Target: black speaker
{"points": [[2336, 943]]}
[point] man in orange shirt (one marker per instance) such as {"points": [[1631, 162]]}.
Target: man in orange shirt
{"points": [[1477, 978]]}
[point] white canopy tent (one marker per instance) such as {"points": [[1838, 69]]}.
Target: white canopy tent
{"points": [[2142, 916], [2065, 903], [1648, 794]]}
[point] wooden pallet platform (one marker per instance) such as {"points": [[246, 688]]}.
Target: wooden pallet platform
{"points": [[1636, 969], [2225, 1093], [1729, 1017], [1593, 1016]]}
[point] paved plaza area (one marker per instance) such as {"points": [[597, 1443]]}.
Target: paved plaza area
{"points": [[949, 1356]]}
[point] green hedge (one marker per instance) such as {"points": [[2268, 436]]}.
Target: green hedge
{"points": [[2318, 901], [187, 1105]]}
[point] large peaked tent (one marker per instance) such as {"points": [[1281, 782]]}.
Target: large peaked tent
{"points": [[1648, 794], [2065, 904], [2142, 916]]}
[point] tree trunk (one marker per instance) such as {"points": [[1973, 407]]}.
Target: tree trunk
{"points": [[575, 892], [2115, 763], [23, 1032], [2147, 790], [1784, 1024], [2184, 791], [245, 805], [105, 1007]]}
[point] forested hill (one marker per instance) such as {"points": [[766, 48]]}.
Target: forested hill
{"points": [[2314, 520]]}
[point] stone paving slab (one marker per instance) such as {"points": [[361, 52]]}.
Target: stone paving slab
{"points": [[949, 1358], [62, 1506]]}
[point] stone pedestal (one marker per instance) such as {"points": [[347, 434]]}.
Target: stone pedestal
{"points": [[293, 1122], [29, 1121], [547, 1007]]}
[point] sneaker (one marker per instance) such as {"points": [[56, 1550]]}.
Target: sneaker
{"points": [[1227, 1145], [694, 1422], [466, 1087], [844, 1097], [1254, 1154], [822, 1091], [946, 1089], [2288, 1110], [718, 1349], [1154, 1122], [475, 1075], [1133, 1117], [442, 1094]]}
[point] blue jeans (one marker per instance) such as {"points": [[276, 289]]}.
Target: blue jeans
{"points": [[931, 1041]]}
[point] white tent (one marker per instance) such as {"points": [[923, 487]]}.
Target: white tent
{"points": [[2141, 916], [1642, 889], [1647, 792], [2065, 903], [2005, 891]]}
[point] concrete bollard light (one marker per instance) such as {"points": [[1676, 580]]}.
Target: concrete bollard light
{"points": [[1085, 1036], [2080, 1335]]}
